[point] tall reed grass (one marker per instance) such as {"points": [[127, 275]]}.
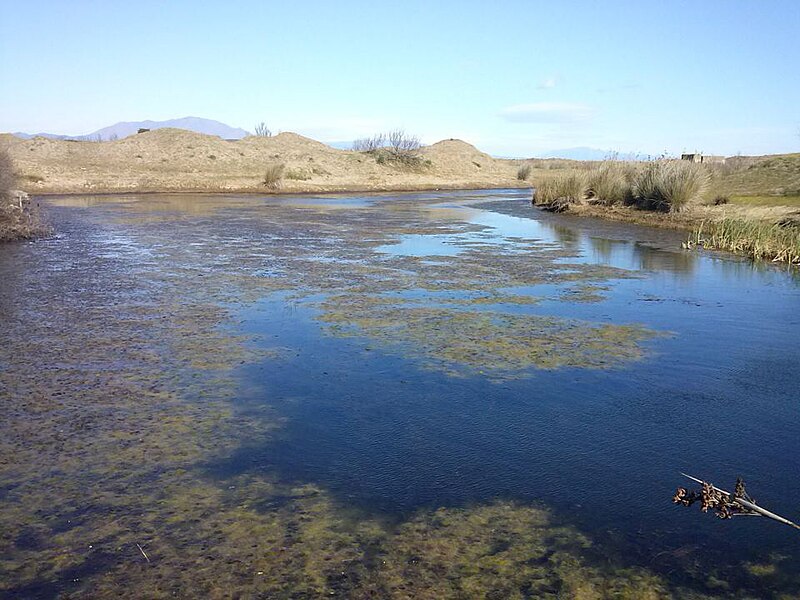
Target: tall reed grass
{"points": [[273, 175], [557, 193], [756, 239], [669, 185], [609, 184], [663, 185]]}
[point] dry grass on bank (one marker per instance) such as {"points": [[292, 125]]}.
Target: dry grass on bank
{"points": [[19, 218], [669, 185], [664, 186], [764, 224], [558, 193]]}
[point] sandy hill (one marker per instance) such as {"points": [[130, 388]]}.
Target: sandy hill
{"points": [[774, 175], [180, 160]]}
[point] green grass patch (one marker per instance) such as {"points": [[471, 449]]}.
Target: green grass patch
{"points": [[298, 175], [758, 240], [793, 201]]}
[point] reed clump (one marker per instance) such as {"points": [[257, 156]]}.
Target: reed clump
{"points": [[273, 175], [756, 239], [524, 172], [609, 184], [669, 185], [663, 185], [557, 193]]}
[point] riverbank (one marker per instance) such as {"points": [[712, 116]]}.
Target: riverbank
{"points": [[762, 233], [750, 207]]}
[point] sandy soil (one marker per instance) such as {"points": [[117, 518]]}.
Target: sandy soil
{"points": [[177, 160]]}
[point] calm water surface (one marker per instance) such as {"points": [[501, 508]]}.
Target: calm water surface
{"points": [[392, 411]]}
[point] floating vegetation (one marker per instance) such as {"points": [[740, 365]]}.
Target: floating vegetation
{"points": [[497, 551], [467, 342], [585, 293]]}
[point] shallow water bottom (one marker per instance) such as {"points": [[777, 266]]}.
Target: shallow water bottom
{"points": [[392, 395]]}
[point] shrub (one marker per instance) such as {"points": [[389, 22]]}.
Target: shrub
{"points": [[262, 130], [273, 176], [403, 145], [370, 144], [556, 194], [669, 185], [396, 146], [608, 184], [524, 172]]}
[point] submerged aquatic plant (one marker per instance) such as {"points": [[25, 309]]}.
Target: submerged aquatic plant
{"points": [[500, 345]]}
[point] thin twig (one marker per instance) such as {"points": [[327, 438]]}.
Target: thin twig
{"points": [[147, 558]]}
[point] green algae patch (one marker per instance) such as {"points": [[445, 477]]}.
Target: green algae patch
{"points": [[585, 293], [491, 343], [498, 550], [502, 299]]}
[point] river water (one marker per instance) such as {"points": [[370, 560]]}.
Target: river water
{"points": [[352, 395]]}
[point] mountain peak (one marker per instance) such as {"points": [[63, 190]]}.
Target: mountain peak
{"points": [[126, 128]]}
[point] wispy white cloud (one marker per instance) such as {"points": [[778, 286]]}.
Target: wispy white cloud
{"points": [[548, 112], [547, 84]]}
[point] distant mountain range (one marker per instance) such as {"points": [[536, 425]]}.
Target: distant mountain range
{"points": [[586, 153], [340, 145], [211, 127], [126, 128]]}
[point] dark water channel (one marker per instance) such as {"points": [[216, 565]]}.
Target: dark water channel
{"points": [[398, 354]]}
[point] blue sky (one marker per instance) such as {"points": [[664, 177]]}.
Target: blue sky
{"points": [[513, 78]]}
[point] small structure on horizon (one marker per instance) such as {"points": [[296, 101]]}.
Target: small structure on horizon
{"points": [[699, 157]]}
